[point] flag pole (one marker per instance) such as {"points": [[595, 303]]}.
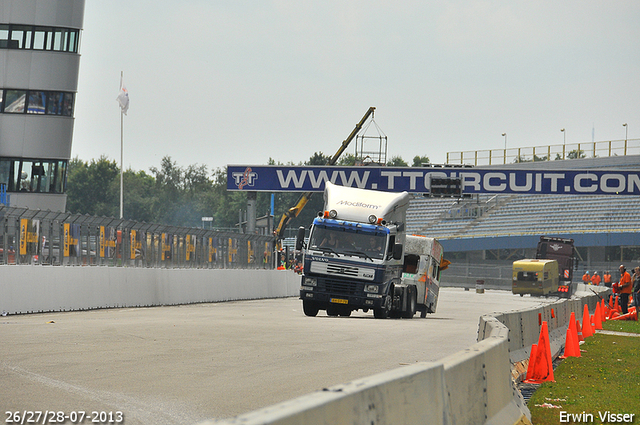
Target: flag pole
{"points": [[121, 152]]}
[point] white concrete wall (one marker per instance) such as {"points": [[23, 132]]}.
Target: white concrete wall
{"points": [[26, 289], [473, 386]]}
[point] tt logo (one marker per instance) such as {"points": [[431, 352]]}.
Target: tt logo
{"points": [[245, 178]]}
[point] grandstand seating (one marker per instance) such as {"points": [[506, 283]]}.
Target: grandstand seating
{"points": [[513, 215], [523, 215]]}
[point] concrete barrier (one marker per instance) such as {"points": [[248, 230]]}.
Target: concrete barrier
{"points": [[29, 289], [474, 386]]}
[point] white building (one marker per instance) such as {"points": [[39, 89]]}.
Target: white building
{"points": [[39, 61]]}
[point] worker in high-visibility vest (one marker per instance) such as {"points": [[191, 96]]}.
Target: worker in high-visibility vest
{"points": [[586, 278], [625, 286], [595, 279], [607, 279]]}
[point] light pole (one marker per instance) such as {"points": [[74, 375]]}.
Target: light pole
{"points": [[626, 133], [564, 143], [505, 147]]}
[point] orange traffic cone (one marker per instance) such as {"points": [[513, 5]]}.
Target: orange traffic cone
{"points": [[532, 356], [631, 315], [616, 306], [579, 329], [542, 369], [572, 344], [586, 325], [603, 311], [611, 302], [597, 318]]}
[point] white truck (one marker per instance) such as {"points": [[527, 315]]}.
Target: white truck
{"points": [[359, 258]]}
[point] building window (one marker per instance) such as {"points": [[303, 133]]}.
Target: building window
{"points": [[15, 101], [33, 175], [30, 37], [36, 102]]}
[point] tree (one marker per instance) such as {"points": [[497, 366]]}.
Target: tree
{"points": [[90, 187], [347, 160], [419, 160], [576, 154], [319, 158], [139, 196], [397, 161]]}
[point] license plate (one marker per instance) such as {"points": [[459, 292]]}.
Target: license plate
{"points": [[338, 301]]}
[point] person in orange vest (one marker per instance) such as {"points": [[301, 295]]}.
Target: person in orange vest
{"points": [[636, 290], [625, 286], [586, 278], [595, 279], [607, 279]]}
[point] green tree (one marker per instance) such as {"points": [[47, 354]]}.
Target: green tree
{"points": [[576, 154], [347, 160], [319, 158], [139, 196], [419, 160], [397, 161], [90, 187]]}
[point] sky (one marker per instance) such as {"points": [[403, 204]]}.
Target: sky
{"points": [[218, 82]]}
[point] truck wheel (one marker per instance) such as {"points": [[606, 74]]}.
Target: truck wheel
{"points": [[412, 303], [332, 311], [383, 312], [345, 312], [310, 308]]}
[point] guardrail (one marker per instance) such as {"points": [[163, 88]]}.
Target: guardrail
{"points": [[56, 238], [474, 386], [546, 152]]}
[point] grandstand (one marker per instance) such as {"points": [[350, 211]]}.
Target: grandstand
{"points": [[490, 231]]}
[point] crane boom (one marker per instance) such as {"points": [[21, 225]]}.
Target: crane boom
{"points": [[294, 211]]}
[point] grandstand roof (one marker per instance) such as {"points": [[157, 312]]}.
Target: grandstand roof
{"points": [[518, 220]]}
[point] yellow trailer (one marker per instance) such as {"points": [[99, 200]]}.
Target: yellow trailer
{"points": [[535, 277]]}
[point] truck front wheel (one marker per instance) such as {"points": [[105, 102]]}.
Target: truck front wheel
{"points": [[310, 308], [383, 312]]}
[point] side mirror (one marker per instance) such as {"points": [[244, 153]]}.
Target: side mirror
{"points": [[300, 238], [397, 251]]}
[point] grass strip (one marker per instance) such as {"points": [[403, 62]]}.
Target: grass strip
{"points": [[604, 381]]}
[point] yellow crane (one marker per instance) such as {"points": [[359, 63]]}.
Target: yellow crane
{"points": [[294, 211]]}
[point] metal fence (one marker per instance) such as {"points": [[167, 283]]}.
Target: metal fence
{"points": [[546, 152], [57, 238]]}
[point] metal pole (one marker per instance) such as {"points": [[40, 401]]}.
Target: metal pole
{"points": [[121, 153]]}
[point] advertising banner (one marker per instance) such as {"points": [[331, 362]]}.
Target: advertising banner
{"points": [[167, 246], [71, 240], [29, 236], [213, 249], [107, 248], [191, 248], [417, 180], [136, 244]]}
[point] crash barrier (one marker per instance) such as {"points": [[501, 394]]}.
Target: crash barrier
{"points": [[56, 238], [499, 275], [474, 386], [26, 289]]}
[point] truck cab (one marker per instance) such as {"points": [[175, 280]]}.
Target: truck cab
{"points": [[355, 256]]}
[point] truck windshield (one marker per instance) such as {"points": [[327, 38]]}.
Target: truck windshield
{"points": [[341, 242]]}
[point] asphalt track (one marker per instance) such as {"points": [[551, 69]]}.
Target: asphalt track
{"points": [[185, 364]]}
